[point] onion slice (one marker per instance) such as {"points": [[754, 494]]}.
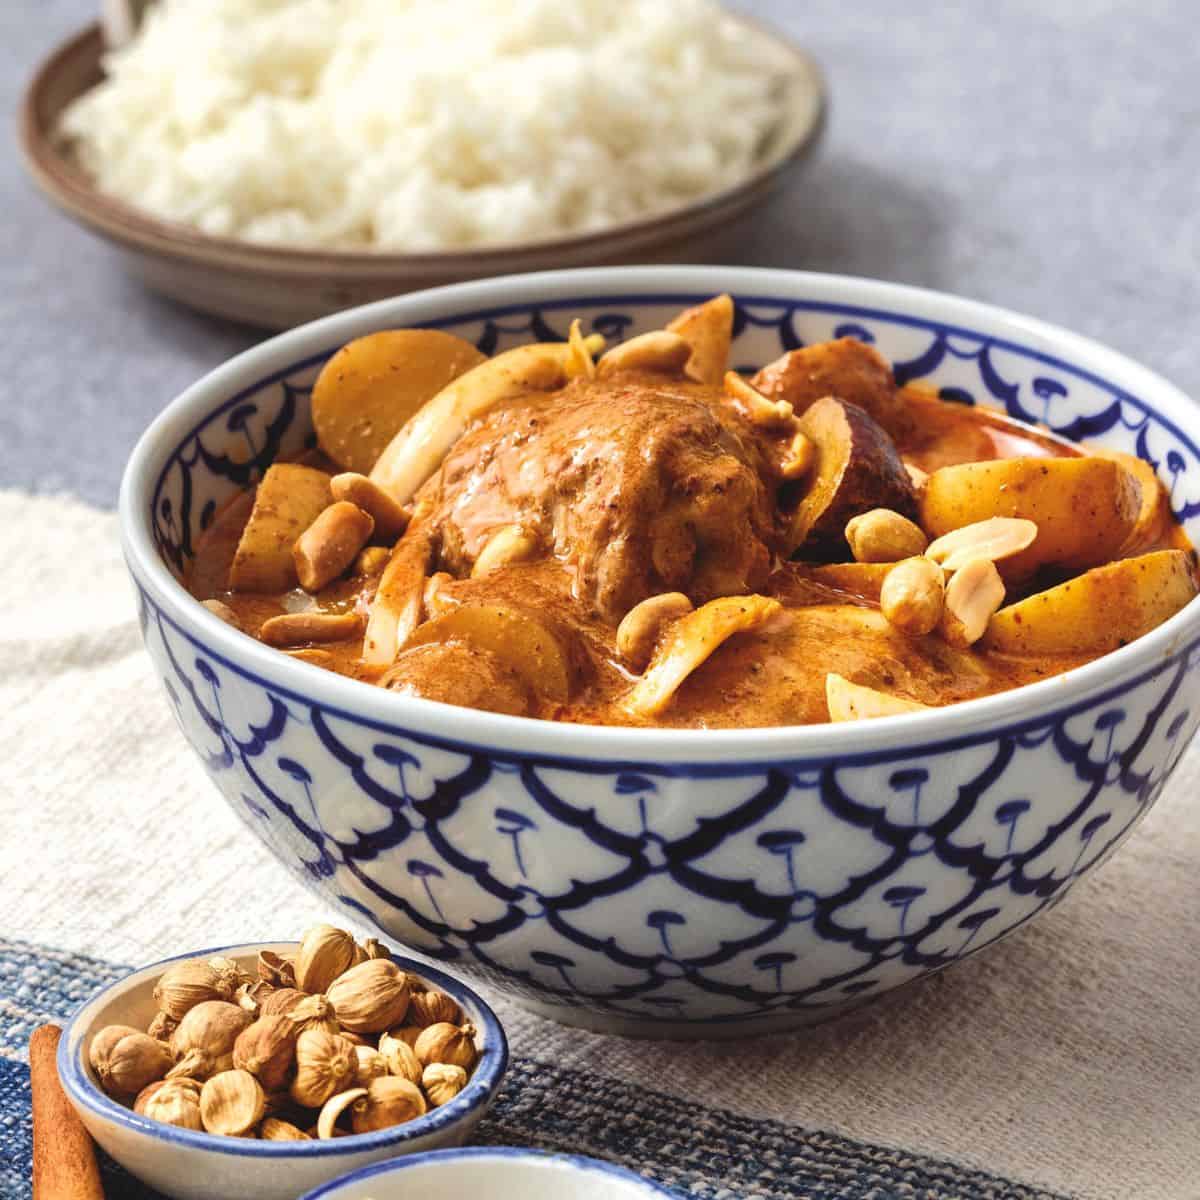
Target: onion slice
{"points": [[688, 642], [418, 449], [396, 608]]}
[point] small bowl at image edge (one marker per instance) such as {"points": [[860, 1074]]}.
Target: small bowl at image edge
{"points": [[494, 1172], [190, 1165], [675, 882]]}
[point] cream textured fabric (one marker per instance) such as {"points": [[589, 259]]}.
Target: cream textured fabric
{"points": [[1067, 1058]]}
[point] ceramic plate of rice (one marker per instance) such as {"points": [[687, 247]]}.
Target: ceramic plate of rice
{"points": [[273, 162]]}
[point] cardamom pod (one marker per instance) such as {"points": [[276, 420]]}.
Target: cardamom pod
{"points": [[127, 1060], [400, 1058], [273, 1129], [325, 952], [231, 1103], [203, 1041], [267, 1049], [446, 1043], [371, 997], [172, 1101], [441, 1082], [325, 1065], [185, 984], [370, 1065], [432, 1008], [388, 1102]]}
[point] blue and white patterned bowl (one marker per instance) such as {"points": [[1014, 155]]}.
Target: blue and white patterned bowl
{"points": [[190, 1165], [681, 882]]}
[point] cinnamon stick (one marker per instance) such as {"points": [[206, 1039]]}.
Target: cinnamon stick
{"points": [[64, 1160]]}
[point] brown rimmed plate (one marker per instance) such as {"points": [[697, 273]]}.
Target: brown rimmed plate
{"points": [[277, 286]]}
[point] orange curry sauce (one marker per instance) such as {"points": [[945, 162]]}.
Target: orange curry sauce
{"points": [[771, 677]]}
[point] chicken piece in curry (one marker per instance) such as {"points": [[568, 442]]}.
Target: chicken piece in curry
{"points": [[640, 536]]}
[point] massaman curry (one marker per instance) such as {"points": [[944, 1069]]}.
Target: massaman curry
{"points": [[643, 537]]}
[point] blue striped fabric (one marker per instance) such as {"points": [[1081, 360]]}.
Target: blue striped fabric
{"points": [[698, 1151]]}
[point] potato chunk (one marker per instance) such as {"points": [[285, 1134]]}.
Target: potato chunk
{"points": [[372, 385], [1084, 508], [520, 640], [1099, 611], [288, 500], [846, 369], [857, 469], [396, 606], [854, 702], [458, 673], [708, 329], [1154, 514]]}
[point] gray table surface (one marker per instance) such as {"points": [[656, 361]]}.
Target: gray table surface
{"points": [[1040, 154]]}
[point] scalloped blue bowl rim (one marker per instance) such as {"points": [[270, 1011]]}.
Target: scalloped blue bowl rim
{"points": [[479, 1093]]}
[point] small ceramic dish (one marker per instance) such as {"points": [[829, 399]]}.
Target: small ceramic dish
{"points": [[277, 287], [198, 1166], [494, 1171]]}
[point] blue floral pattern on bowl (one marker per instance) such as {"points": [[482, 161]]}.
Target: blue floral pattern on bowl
{"points": [[690, 898]]}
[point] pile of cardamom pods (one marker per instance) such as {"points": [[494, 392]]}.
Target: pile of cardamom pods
{"points": [[334, 1040]]}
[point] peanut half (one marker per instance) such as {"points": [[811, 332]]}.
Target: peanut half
{"points": [[754, 406], [298, 629], [973, 594], [994, 539], [911, 596]]}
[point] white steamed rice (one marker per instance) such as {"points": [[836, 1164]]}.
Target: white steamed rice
{"points": [[423, 124]]}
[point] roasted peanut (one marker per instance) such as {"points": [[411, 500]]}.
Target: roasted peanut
{"points": [[297, 629], [640, 628], [391, 519], [912, 596], [510, 544], [754, 406], [371, 560], [974, 593], [328, 546], [882, 536], [655, 351]]}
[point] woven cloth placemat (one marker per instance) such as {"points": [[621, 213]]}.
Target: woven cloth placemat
{"points": [[1063, 1062]]}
